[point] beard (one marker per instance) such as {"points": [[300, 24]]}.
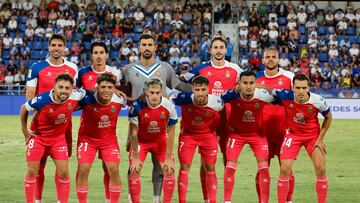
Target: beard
{"points": [[147, 56], [219, 58]]}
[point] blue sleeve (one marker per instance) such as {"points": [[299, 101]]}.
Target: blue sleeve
{"points": [[134, 109], [172, 122], [39, 101], [283, 94], [182, 98], [231, 94], [33, 72], [88, 99]]}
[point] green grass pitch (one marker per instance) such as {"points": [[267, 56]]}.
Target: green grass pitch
{"points": [[343, 143]]}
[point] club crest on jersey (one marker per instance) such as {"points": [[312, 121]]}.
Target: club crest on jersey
{"points": [[137, 75], [70, 106], [257, 105], [227, 74], [158, 72], [162, 115], [207, 114], [280, 82], [113, 109], [310, 110]]}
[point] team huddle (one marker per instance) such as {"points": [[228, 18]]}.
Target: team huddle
{"points": [[272, 111]]}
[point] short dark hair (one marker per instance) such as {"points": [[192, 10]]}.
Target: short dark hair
{"points": [[301, 77], [218, 38], [65, 77], [58, 36], [200, 80], [247, 74], [146, 36], [108, 77], [98, 44]]}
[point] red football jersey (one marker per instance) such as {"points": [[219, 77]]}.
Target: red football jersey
{"points": [[42, 75], [98, 121], [152, 122], [197, 119], [51, 118], [221, 78], [246, 117], [302, 119], [87, 76]]}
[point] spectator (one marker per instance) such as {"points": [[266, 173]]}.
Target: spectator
{"points": [[9, 82], [313, 44], [11, 67], [356, 81], [354, 51], [138, 15], [184, 60], [19, 79], [195, 60], [333, 51], [7, 40], [25, 51], [255, 62], [341, 27], [345, 81], [29, 33], [27, 5], [301, 16], [18, 41], [133, 57], [229, 49], [284, 62], [12, 24]]}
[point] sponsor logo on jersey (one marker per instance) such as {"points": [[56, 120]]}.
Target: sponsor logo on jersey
{"points": [[217, 89], [104, 122], [300, 119], [61, 118], [197, 121], [248, 117], [153, 127]]}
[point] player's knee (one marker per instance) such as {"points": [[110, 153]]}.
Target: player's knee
{"points": [[63, 172], [113, 170], [31, 172], [285, 170], [210, 167], [185, 167], [320, 170]]}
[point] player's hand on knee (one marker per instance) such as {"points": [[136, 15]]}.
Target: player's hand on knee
{"points": [[135, 166], [168, 167], [321, 145]]}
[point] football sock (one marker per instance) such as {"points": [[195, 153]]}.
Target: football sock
{"points": [[282, 188], [257, 185], [64, 189], [106, 180], [115, 191], [39, 182], [229, 180], [29, 187], [291, 187], [135, 187], [203, 184], [264, 181], [82, 192], [211, 184], [168, 187], [322, 188], [183, 181]]}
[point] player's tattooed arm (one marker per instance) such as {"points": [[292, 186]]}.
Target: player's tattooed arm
{"points": [[324, 128], [136, 164], [24, 114]]}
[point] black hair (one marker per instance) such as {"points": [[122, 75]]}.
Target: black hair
{"points": [[98, 44], [65, 77], [200, 80], [108, 77]]}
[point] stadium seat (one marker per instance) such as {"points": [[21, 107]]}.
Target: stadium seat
{"points": [[78, 36], [303, 39], [22, 35], [6, 54], [87, 45], [37, 39], [37, 45], [302, 29], [321, 30], [323, 57], [351, 31], [68, 44], [43, 55], [137, 37], [352, 38], [12, 34], [29, 44], [35, 54], [282, 21], [138, 28], [114, 54], [22, 27], [45, 45]]}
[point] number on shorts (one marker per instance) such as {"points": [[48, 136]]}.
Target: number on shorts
{"points": [[287, 142], [83, 144], [31, 143], [231, 143], [181, 146]]}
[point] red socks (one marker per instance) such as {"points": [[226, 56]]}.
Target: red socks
{"points": [[64, 189], [282, 189], [115, 191], [168, 187], [322, 188], [264, 181], [229, 180], [82, 193], [29, 187], [291, 187], [39, 182], [211, 184], [257, 185], [135, 187], [183, 181]]}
